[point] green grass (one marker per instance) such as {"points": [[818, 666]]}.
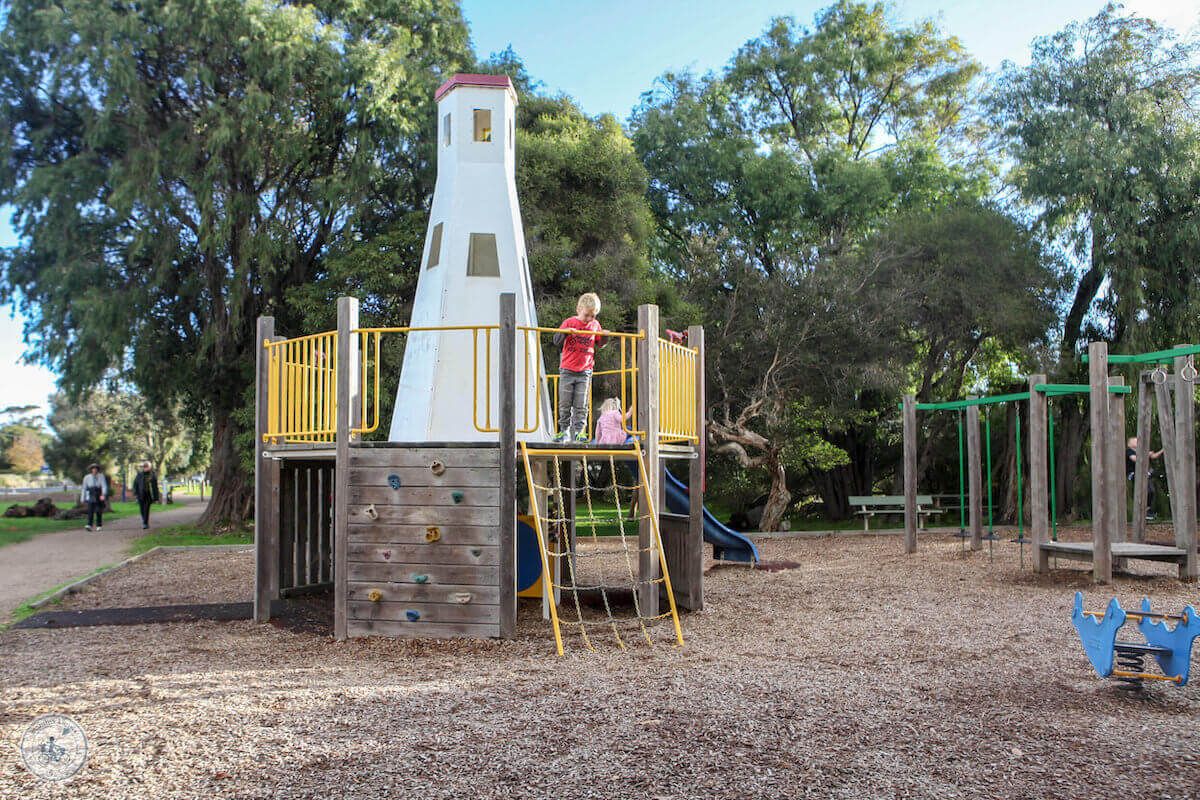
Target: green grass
{"points": [[19, 530], [187, 536]]}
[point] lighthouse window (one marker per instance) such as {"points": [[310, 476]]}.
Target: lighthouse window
{"points": [[482, 259], [435, 247], [483, 125], [446, 130]]}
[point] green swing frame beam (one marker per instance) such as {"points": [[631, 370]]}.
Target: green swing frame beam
{"points": [[1155, 357]]}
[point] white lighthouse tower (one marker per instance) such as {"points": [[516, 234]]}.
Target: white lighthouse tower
{"points": [[474, 252]]}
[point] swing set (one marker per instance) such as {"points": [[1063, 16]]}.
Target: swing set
{"points": [[1106, 408]]}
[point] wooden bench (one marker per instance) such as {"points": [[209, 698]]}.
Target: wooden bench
{"points": [[869, 506]]}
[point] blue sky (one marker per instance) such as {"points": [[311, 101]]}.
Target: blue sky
{"points": [[605, 54]]}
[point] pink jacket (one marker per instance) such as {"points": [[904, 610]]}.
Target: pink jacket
{"points": [[608, 428]]}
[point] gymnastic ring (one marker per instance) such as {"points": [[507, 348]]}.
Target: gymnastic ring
{"points": [[1188, 372], [1159, 376]]}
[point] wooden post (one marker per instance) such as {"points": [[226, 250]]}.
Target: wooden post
{"points": [[508, 465], [910, 473], [1185, 471], [1039, 497], [1103, 507], [266, 490], [693, 558], [974, 476], [1116, 461], [647, 379], [347, 404], [1141, 465]]}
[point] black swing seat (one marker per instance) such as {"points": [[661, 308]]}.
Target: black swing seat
{"points": [[1138, 647]]}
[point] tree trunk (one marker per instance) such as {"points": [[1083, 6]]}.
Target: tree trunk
{"points": [[232, 489], [778, 498]]}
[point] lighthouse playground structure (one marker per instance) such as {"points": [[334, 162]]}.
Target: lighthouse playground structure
{"points": [[468, 506]]}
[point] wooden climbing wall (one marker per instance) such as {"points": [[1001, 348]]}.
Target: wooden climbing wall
{"points": [[423, 542]]}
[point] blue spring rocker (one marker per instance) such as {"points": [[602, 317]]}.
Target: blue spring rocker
{"points": [[1125, 660]]}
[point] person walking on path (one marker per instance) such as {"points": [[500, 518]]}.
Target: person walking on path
{"points": [[145, 489], [95, 494]]}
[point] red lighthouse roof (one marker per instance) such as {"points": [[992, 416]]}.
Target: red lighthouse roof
{"points": [[471, 79]]}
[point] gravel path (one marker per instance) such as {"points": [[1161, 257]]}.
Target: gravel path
{"points": [[862, 673], [49, 559]]}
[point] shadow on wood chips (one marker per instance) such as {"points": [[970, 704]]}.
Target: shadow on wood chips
{"points": [[312, 613], [764, 566]]}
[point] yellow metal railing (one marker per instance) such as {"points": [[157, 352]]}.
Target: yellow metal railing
{"points": [[302, 389], [677, 365], [302, 384]]}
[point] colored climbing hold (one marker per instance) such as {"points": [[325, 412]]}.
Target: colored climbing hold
{"points": [[432, 534], [374, 595], [387, 555], [412, 615], [457, 497], [462, 598], [477, 552], [437, 468], [417, 578], [394, 481], [371, 512]]}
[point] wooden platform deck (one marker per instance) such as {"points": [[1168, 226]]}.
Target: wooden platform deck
{"points": [[1083, 551]]}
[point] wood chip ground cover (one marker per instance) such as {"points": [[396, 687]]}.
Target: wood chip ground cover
{"points": [[860, 673]]}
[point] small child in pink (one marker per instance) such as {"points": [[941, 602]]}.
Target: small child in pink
{"points": [[608, 423]]}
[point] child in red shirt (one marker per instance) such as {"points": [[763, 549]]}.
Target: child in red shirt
{"points": [[575, 368]]}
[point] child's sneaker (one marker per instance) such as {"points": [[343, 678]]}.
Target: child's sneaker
{"points": [[87, 528], [582, 438], [559, 438]]}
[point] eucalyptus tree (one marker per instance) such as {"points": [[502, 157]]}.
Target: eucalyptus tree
{"points": [[177, 167]]}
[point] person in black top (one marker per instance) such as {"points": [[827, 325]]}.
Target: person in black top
{"points": [[145, 489], [1131, 471]]}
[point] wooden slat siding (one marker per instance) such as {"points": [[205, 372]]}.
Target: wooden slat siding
{"points": [[424, 593], [287, 526], [383, 533], [431, 613], [648, 412], [452, 478], [507, 464], [674, 530], [1039, 498], [420, 496], [431, 515], [1141, 482], [477, 555], [435, 573], [423, 457], [347, 403], [1166, 429], [422, 630], [327, 505], [974, 476], [691, 571], [314, 545], [1185, 476], [1102, 505], [910, 473], [266, 541]]}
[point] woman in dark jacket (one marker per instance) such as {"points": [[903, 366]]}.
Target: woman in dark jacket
{"points": [[145, 489]]}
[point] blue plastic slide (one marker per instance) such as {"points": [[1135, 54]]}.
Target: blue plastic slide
{"points": [[728, 544]]}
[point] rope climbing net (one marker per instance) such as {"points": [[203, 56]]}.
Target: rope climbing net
{"points": [[592, 557]]}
